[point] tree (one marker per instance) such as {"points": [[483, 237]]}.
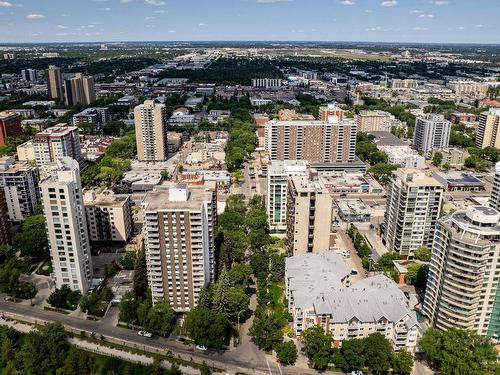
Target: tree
{"points": [[378, 353], [128, 308], [64, 298], [140, 275], [160, 318], [207, 327], [383, 171], [221, 302], [32, 239], [240, 274], [384, 262], [277, 267], [206, 296], [437, 159], [317, 346], [238, 303], [266, 331], [422, 253], [353, 353], [402, 362], [91, 304], [127, 261], [286, 352], [459, 351]]}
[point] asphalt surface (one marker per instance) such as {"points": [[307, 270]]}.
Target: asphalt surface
{"points": [[230, 361]]}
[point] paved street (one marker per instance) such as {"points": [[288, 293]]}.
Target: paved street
{"points": [[232, 361]]}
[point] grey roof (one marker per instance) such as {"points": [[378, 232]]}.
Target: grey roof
{"points": [[315, 282]]}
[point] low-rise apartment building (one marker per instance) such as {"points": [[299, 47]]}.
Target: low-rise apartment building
{"points": [[319, 292]]}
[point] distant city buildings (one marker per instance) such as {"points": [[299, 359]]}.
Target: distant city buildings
{"points": [[54, 83], [412, 210], [29, 75], [151, 131], [404, 84], [56, 142], [315, 141], [320, 293], [179, 240], [431, 131], [10, 126], [96, 115], [19, 181], [267, 83], [488, 131], [79, 90], [62, 199], [469, 88], [369, 121], [109, 216], [462, 286]]}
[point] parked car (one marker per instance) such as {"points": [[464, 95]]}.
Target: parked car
{"points": [[145, 334], [201, 348]]}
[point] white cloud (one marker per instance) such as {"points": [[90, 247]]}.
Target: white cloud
{"points": [[159, 11], [439, 2], [6, 4], [376, 28], [61, 27], [172, 31], [367, 11], [389, 3], [461, 27], [426, 15], [347, 2], [418, 28], [105, 9], [479, 26], [416, 11], [202, 24], [65, 15], [157, 3], [35, 16], [126, 1]]}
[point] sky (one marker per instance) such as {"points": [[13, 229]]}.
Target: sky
{"points": [[435, 21]]}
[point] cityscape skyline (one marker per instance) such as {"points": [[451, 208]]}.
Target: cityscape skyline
{"points": [[437, 21]]}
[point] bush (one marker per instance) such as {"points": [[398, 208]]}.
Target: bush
{"points": [[286, 352]]}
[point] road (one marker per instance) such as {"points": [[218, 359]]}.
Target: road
{"points": [[231, 361]]}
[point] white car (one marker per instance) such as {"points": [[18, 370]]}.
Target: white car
{"points": [[201, 348], [145, 334]]}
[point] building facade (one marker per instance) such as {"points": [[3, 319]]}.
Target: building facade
{"points": [[54, 83], [109, 217], [5, 229], [151, 131], [320, 293], [278, 173], [56, 142], [332, 109], [488, 130], [179, 240], [369, 121], [314, 141], [413, 207], [10, 126], [462, 286], [79, 90], [19, 181], [267, 83], [495, 191], [432, 131], [61, 195], [97, 115]]}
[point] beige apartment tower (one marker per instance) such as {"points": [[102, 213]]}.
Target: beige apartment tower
{"points": [[330, 141], [413, 207], [151, 131], [109, 216], [179, 240], [488, 131], [54, 83], [62, 200], [374, 121]]}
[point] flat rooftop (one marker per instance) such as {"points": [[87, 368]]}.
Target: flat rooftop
{"points": [[387, 139], [159, 198]]}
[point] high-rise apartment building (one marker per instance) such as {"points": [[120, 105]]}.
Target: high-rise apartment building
{"points": [[404, 84], [431, 131], [278, 173], [309, 216], [488, 131], [374, 121], [332, 109], [495, 191], [54, 83], [315, 141], [10, 126], [462, 286], [79, 90], [19, 181], [98, 116], [179, 223], [30, 75], [109, 216], [413, 207], [5, 230], [62, 199], [56, 142], [151, 131]]}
